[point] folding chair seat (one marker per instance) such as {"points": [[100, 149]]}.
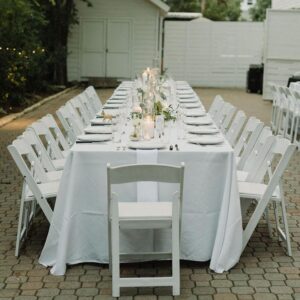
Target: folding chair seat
{"points": [[216, 106], [144, 215], [235, 128], [58, 136], [268, 193], [36, 188], [247, 140]]}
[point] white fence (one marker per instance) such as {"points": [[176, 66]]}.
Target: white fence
{"points": [[282, 47], [212, 54]]}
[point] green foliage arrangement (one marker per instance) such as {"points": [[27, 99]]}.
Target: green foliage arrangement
{"points": [[259, 10]]}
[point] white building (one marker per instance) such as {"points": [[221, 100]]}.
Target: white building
{"points": [[115, 38], [285, 4]]}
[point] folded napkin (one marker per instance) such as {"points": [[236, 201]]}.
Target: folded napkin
{"points": [[147, 191]]}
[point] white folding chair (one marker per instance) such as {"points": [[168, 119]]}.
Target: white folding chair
{"points": [[49, 163], [216, 106], [94, 98], [288, 128], [262, 146], [75, 116], [57, 134], [276, 106], [47, 139], [144, 215], [284, 115], [80, 109], [35, 189], [70, 124], [247, 140], [224, 116], [296, 119], [88, 105], [263, 194], [235, 128], [52, 168]]}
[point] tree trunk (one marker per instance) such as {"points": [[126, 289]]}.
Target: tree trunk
{"points": [[203, 6]]}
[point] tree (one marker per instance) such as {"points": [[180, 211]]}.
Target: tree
{"points": [[62, 14], [258, 12], [21, 50], [217, 10], [221, 10]]}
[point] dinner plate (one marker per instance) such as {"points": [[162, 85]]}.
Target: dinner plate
{"points": [[118, 97], [203, 130], [146, 145], [111, 106], [190, 96], [98, 130], [120, 93], [101, 121], [189, 100], [191, 105], [94, 138], [185, 92], [194, 113], [115, 101], [198, 121], [206, 140]]}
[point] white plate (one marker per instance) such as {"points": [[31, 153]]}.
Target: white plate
{"points": [[111, 106], [94, 138], [190, 100], [120, 93], [206, 140], [185, 92], [115, 101], [101, 121], [194, 113], [146, 145], [98, 130], [198, 121], [118, 97], [191, 105], [203, 130], [191, 96]]}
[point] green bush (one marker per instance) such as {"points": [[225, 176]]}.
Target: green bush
{"points": [[22, 56]]}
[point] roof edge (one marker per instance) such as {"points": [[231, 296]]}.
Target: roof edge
{"points": [[163, 6]]}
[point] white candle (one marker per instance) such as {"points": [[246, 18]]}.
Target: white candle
{"points": [[148, 128]]}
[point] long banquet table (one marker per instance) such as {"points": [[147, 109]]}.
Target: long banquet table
{"points": [[211, 214]]}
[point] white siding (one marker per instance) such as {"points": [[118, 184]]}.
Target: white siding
{"points": [[145, 23], [285, 4], [282, 44], [212, 54]]}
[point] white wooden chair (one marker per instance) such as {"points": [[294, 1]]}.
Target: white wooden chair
{"points": [[70, 124], [47, 139], [57, 134], [247, 140], [75, 116], [88, 105], [257, 155], [235, 128], [296, 120], [94, 98], [291, 102], [49, 163], [263, 194], [216, 106], [36, 189], [144, 215], [276, 106], [224, 116], [82, 112], [284, 113]]}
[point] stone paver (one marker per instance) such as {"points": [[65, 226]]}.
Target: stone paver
{"points": [[263, 273]]}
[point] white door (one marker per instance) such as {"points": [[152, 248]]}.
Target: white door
{"points": [[118, 58], [93, 46]]}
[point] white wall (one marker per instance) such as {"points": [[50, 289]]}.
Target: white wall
{"points": [[285, 4], [145, 20], [212, 54], [282, 47]]}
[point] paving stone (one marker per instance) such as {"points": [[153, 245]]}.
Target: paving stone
{"points": [[264, 271]]}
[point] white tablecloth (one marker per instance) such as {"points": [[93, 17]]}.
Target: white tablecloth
{"points": [[211, 224]]}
